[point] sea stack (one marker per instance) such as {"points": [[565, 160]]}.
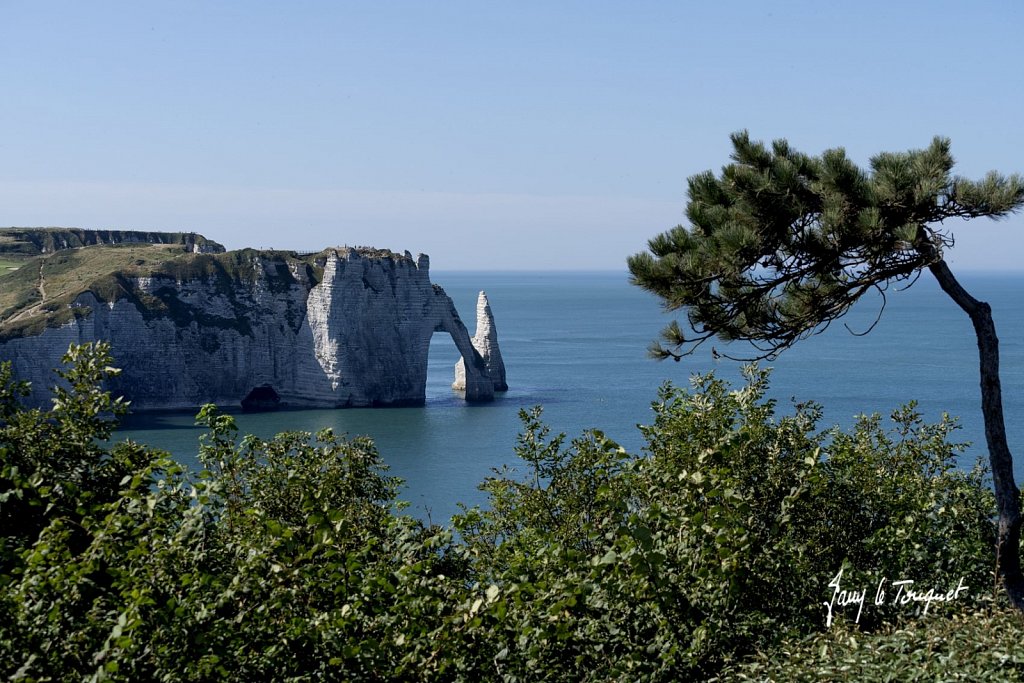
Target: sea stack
{"points": [[189, 323], [485, 341]]}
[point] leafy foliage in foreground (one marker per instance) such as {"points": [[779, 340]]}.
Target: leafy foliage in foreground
{"points": [[286, 559], [782, 244], [973, 645], [722, 539]]}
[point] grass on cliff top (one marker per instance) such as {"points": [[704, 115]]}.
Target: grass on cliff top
{"points": [[15, 245], [39, 293], [28, 242], [40, 290], [10, 238], [14, 253]]}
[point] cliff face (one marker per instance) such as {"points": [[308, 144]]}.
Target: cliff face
{"points": [[35, 241], [343, 328]]}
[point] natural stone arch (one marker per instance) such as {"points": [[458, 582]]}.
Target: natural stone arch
{"points": [[341, 328], [478, 385], [371, 321]]}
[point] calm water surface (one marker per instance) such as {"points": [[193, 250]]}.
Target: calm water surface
{"points": [[575, 343]]}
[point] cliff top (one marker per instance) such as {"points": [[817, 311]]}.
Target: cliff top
{"points": [[17, 244], [40, 290], [364, 252], [44, 270]]}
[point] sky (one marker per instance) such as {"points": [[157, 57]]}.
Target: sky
{"points": [[520, 135]]}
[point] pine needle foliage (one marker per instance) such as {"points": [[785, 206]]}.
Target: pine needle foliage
{"points": [[706, 556], [780, 244]]}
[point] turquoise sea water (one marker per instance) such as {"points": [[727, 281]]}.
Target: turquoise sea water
{"points": [[575, 343]]}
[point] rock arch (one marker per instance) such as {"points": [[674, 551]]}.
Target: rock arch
{"points": [[476, 382], [341, 328], [371, 321]]}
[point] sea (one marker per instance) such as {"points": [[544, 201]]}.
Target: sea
{"points": [[575, 343]]}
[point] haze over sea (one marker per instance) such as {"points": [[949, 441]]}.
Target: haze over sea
{"points": [[575, 343]]}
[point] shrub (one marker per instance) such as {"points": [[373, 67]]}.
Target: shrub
{"points": [[709, 554], [720, 540], [981, 644], [282, 560]]}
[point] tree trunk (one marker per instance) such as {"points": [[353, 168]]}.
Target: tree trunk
{"points": [[1007, 494]]}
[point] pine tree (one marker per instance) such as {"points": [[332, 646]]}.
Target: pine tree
{"points": [[781, 244]]}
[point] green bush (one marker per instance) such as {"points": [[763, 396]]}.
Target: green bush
{"points": [[282, 560], [973, 645], [720, 540], [708, 554]]}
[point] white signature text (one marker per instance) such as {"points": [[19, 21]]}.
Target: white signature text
{"points": [[904, 594]]}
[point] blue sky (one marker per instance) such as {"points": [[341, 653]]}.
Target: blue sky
{"points": [[526, 135]]}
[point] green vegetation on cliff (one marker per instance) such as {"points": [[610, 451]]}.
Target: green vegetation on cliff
{"points": [[43, 270], [23, 243], [43, 291], [709, 555], [43, 277]]}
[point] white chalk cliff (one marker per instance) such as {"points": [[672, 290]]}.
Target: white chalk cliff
{"points": [[343, 328], [485, 341]]}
